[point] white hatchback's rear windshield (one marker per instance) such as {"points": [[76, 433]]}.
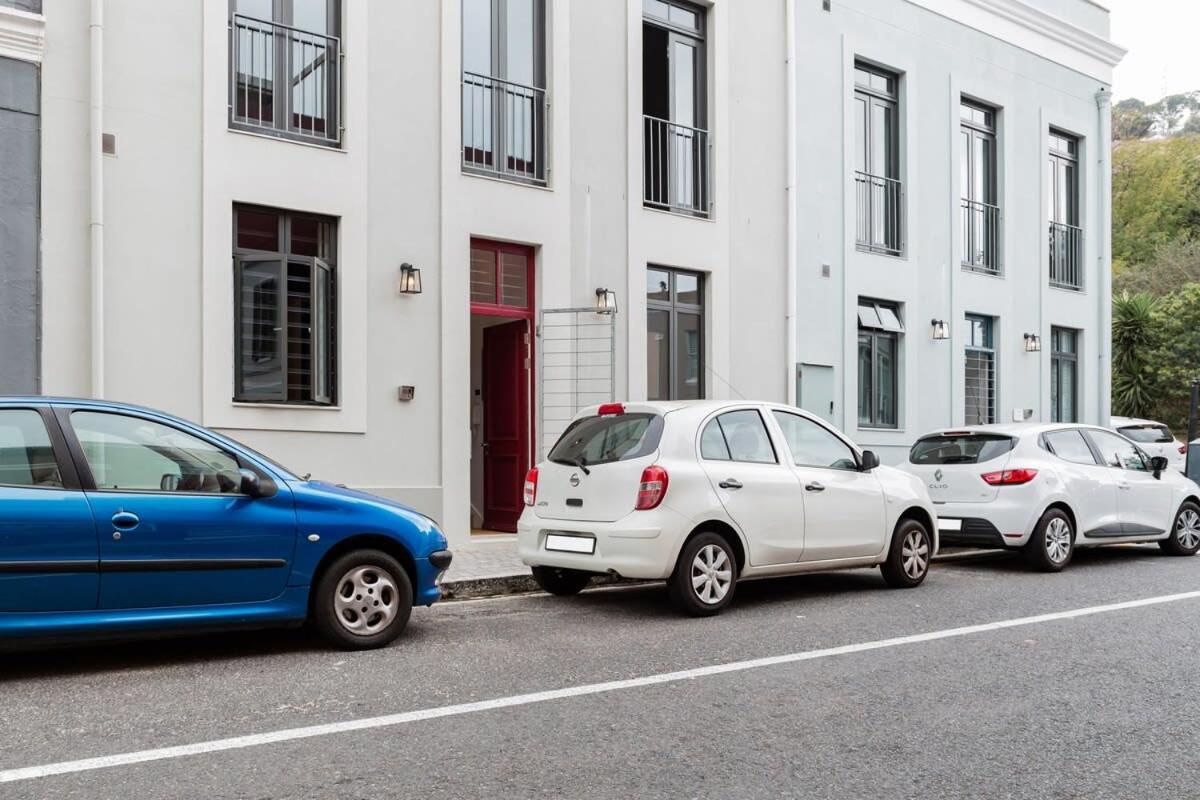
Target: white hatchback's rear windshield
{"points": [[603, 440], [1148, 434], [967, 448]]}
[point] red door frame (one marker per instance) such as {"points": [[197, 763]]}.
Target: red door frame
{"points": [[497, 309]]}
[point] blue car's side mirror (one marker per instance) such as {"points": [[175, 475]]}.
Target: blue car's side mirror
{"points": [[254, 486]]}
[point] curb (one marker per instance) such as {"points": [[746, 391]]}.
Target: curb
{"points": [[523, 583]]}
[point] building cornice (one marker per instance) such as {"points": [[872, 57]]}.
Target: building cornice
{"points": [[22, 35], [1023, 24]]}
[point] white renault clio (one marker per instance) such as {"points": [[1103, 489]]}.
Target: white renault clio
{"points": [[701, 494], [1049, 488]]}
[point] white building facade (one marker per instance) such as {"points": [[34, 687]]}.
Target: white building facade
{"points": [[774, 200]]}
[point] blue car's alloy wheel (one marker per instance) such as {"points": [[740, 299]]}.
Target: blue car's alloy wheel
{"points": [[363, 600]]}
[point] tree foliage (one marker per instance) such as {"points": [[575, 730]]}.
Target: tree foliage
{"points": [[1174, 354], [1135, 343], [1156, 197]]}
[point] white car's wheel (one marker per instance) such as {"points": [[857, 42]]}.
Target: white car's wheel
{"points": [[705, 575], [1053, 541], [1185, 533], [909, 556]]}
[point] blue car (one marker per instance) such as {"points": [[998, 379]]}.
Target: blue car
{"points": [[116, 519]]}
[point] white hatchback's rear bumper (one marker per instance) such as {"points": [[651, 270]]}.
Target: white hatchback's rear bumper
{"points": [[643, 544], [997, 524]]}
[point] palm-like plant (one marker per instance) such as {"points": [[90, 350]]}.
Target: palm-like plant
{"points": [[1133, 338]]}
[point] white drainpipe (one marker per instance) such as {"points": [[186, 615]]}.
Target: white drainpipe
{"points": [[96, 164], [1103, 251], [790, 346]]}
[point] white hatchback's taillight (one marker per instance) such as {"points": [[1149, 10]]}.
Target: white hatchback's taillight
{"points": [[1009, 477], [531, 479], [652, 488]]}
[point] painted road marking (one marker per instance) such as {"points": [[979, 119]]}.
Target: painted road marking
{"points": [[389, 720]]}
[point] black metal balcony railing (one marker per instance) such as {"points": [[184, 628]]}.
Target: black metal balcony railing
{"points": [[677, 162], [1066, 256], [981, 236], [503, 128], [879, 212], [285, 81]]}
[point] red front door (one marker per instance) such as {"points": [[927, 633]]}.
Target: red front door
{"points": [[505, 423]]}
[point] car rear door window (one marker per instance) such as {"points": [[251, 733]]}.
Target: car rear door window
{"points": [[746, 437], [1069, 445], [26, 455], [1148, 434], [603, 440], [960, 448], [712, 443], [134, 454], [812, 445], [1118, 451]]}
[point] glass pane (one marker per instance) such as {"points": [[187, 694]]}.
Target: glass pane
{"points": [[259, 336], [309, 64], [747, 437], [477, 36], [684, 18], [687, 356], [1066, 387], [964, 165], [885, 380], [298, 329], [883, 144], [519, 51], [655, 8], [604, 440], [687, 288], [658, 355], [257, 230], [26, 456], [861, 158], [311, 15], [259, 9], [139, 455], [866, 381], [981, 173], [322, 327], [483, 276], [514, 280], [683, 83], [1118, 451], [310, 237], [868, 317], [1070, 446], [812, 445], [889, 320], [658, 285], [712, 443]]}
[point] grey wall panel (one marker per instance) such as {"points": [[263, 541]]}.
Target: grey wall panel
{"points": [[19, 221]]}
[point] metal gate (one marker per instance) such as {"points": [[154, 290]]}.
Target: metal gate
{"points": [[577, 368]]}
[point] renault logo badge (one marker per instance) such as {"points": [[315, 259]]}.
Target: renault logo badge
{"points": [[574, 481], [937, 475]]}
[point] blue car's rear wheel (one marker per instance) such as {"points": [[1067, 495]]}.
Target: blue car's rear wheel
{"points": [[362, 600]]}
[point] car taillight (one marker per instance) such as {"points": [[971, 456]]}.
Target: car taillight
{"points": [[1183, 449], [531, 486], [652, 488], [611, 409], [1009, 477]]}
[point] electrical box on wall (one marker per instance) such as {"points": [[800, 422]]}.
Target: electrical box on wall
{"points": [[406, 393], [1022, 414]]}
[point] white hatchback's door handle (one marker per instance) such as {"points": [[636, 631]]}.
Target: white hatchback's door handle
{"points": [[1122, 485], [814, 487], [730, 483]]}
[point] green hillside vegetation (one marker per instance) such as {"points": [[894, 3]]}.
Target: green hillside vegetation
{"points": [[1156, 274]]}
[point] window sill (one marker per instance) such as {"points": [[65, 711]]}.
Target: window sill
{"points": [[681, 214], [1079, 290], [312, 144], [983, 272], [513, 181], [900, 256], [284, 406]]}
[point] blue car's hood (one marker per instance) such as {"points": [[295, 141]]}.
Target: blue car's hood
{"points": [[316, 490]]}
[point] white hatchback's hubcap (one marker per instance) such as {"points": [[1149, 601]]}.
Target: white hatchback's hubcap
{"points": [[712, 574], [1058, 540], [914, 554], [366, 600], [1187, 529]]}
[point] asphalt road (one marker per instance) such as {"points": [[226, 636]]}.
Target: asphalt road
{"points": [[1098, 705]]}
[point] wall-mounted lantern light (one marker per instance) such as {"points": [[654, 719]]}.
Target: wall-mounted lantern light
{"points": [[941, 330], [409, 281], [1033, 343], [606, 301]]}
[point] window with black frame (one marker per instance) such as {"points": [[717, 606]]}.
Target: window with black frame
{"points": [[285, 290], [879, 194], [674, 334], [977, 165], [879, 331], [285, 57], [1064, 375], [980, 370], [1066, 235]]}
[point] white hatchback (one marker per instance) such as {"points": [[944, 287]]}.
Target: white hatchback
{"points": [[701, 494], [1154, 438], [1049, 488]]}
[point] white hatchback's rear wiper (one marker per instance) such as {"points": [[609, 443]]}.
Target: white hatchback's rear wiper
{"points": [[579, 463]]}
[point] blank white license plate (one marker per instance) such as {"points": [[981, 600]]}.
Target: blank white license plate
{"points": [[570, 544], [950, 524]]}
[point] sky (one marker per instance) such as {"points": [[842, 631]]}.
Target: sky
{"points": [[1163, 39]]}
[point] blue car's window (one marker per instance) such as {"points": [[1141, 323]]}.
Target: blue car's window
{"points": [[26, 457], [135, 454]]}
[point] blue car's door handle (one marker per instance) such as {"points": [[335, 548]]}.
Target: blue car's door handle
{"points": [[125, 520]]}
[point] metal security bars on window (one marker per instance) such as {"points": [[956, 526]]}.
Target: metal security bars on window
{"points": [[878, 211], [677, 159], [285, 81], [1066, 256], [980, 372], [503, 128], [576, 367], [981, 240]]}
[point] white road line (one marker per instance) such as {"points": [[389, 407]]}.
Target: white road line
{"points": [[291, 734]]}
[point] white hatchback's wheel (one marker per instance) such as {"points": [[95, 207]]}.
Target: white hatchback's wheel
{"points": [[705, 575], [712, 574], [1185, 535], [914, 554], [908, 558], [1053, 541], [1058, 540]]}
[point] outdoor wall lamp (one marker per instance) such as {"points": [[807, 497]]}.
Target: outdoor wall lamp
{"points": [[941, 330], [606, 301], [409, 281], [1033, 343]]}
